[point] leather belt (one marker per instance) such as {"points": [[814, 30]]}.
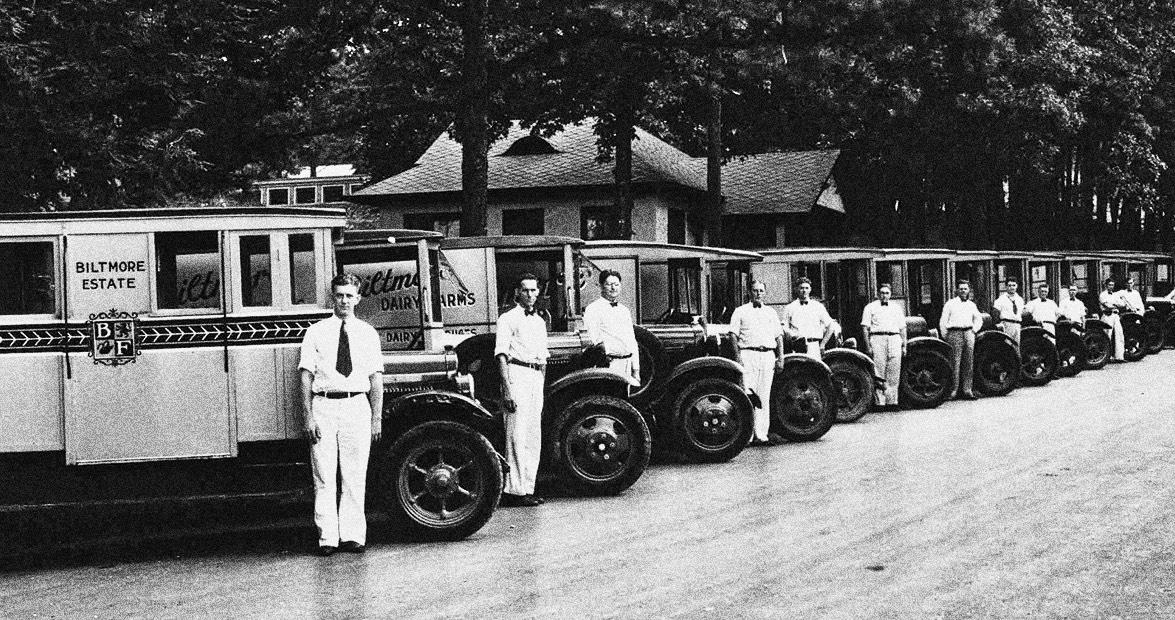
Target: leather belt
{"points": [[871, 334], [958, 329], [619, 357], [532, 365], [759, 349], [813, 339], [1053, 322], [1009, 321], [338, 395]]}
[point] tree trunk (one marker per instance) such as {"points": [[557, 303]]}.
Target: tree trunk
{"points": [[473, 123], [620, 224], [714, 161]]}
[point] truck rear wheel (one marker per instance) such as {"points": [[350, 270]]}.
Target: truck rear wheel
{"points": [[803, 403], [926, 380], [854, 389], [439, 481], [601, 445], [1071, 354], [1038, 360], [1098, 348], [712, 421], [1156, 332], [1135, 336]]}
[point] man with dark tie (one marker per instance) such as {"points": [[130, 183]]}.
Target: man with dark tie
{"points": [[807, 319], [1009, 307], [760, 349], [520, 346], [341, 369], [609, 324], [884, 327]]}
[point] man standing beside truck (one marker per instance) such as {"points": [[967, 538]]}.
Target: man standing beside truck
{"points": [[807, 319], [884, 327], [760, 349], [341, 369], [959, 323], [520, 347], [609, 324]]}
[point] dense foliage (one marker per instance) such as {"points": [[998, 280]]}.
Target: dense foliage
{"points": [[970, 123]]}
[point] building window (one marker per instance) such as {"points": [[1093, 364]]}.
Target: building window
{"points": [[26, 277], [598, 223], [256, 274], [279, 196], [677, 226], [448, 224], [522, 222], [355, 187], [188, 265], [305, 195], [303, 270], [332, 193]]}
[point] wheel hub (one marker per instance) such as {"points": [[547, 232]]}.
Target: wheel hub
{"points": [[441, 480], [602, 446]]}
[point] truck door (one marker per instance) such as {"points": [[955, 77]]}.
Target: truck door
{"points": [[154, 383]]}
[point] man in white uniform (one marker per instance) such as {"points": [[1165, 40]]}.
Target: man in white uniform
{"points": [[760, 349], [959, 323], [1008, 308], [807, 319], [341, 370], [521, 349], [1132, 298], [1044, 310], [609, 323], [1073, 309], [884, 327], [1112, 303]]}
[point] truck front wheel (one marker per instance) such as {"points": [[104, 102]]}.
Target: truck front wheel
{"points": [[439, 481], [713, 421], [601, 445]]}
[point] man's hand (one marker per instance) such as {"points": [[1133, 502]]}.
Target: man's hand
{"points": [[313, 433], [779, 363], [508, 404], [376, 429]]}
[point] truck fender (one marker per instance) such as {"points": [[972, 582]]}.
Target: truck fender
{"points": [[852, 356], [1096, 324], [590, 381], [1036, 331], [713, 366], [928, 342], [995, 335], [408, 410], [800, 359]]}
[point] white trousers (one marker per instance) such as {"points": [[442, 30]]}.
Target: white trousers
{"points": [[1050, 327], [524, 429], [887, 359], [1011, 329], [759, 369], [813, 349], [1116, 335], [622, 367], [345, 424]]}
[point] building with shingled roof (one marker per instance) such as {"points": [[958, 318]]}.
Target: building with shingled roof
{"points": [[554, 186]]}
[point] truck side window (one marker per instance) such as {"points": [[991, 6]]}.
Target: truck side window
{"points": [[256, 275], [188, 266], [26, 277], [303, 278]]}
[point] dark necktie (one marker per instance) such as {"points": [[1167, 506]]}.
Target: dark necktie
{"points": [[803, 302], [885, 303], [614, 303], [1015, 308], [530, 312], [756, 304], [343, 360]]}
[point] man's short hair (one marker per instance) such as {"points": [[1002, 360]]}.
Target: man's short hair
{"points": [[608, 273], [527, 276], [344, 279], [1043, 285], [884, 285], [754, 282], [961, 282], [1107, 282], [803, 280], [1011, 281]]}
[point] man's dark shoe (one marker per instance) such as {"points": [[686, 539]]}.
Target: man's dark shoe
{"points": [[775, 440], [970, 397], [509, 499], [757, 442], [326, 550], [351, 546], [537, 499]]}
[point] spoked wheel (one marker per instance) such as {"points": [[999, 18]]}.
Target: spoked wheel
{"points": [[854, 389], [1071, 353], [1038, 360], [803, 403], [440, 481], [713, 421], [1097, 345], [926, 380], [1135, 337], [602, 445], [1156, 332], [997, 369]]}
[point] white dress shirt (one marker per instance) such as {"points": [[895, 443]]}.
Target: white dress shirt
{"points": [[1045, 311], [612, 325], [1072, 309], [1010, 307], [1133, 300], [807, 319], [756, 327], [883, 319], [960, 314], [1111, 301], [521, 336], [320, 349]]}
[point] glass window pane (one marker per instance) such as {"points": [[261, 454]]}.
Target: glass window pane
{"points": [[279, 196], [303, 271], [332, 193], [188, 265], [304, 195], [256, 276], [26, 277]]}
